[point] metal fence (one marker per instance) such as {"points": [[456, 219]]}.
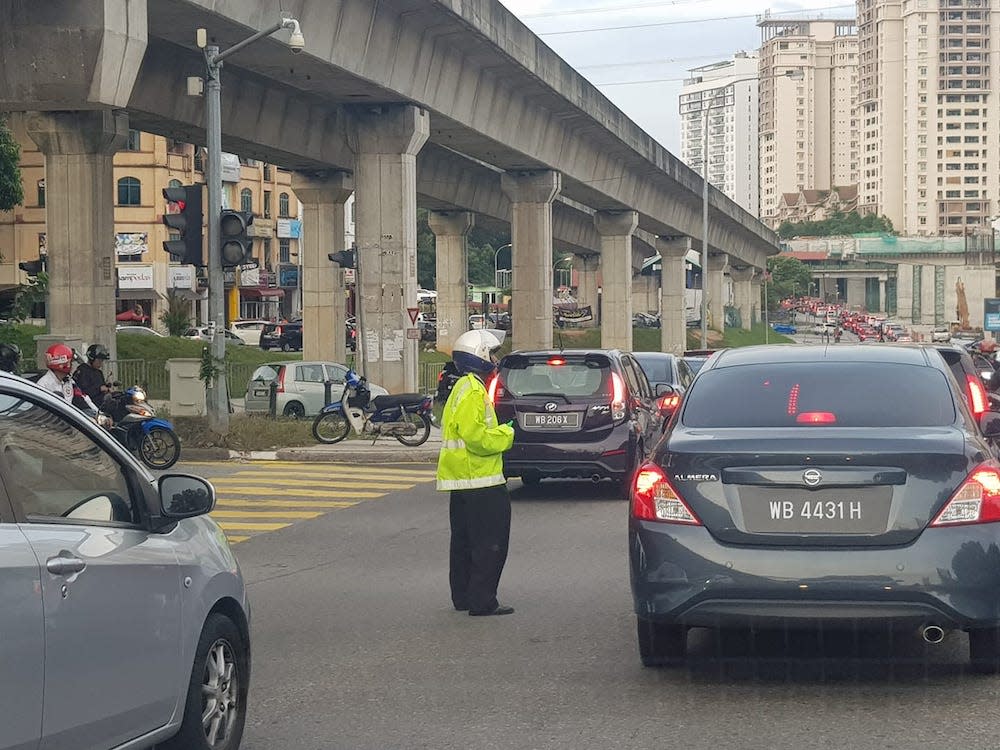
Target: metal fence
{"points": [[151, 375], [428, 376]]}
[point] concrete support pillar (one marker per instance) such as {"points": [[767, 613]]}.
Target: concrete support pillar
{"points": [[586, 292], [451, 232], [323, 196], [856, 292], [715, 287], [531, 195], [883, 305], [389, 138], [743, 293], [673, 315], [616, 229], [80, 219], [757, 300]]}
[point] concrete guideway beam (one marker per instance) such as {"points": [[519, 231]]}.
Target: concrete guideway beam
{"points": [[62, 55], [388, 138], [323, 196], [616, 229], [673, 316], [79, 150], [743, 294], [451, 232], [531, 195]]}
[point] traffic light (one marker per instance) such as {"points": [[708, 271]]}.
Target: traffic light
{"points": [[234, 240], [345, 258], [32, 267], [187, 222]]}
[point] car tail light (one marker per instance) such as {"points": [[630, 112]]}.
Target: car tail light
{"points": [[816, 417], [977, 500], [655, 499], [495, 389], [281, 380], [977, 396], [669, 402], [618, 410]]}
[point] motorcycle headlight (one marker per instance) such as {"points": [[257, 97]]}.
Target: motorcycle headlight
{"points": [[138, 394]]}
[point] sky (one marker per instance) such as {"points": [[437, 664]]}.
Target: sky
{"points": [[641, 69]]}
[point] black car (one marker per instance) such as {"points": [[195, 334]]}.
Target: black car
{"points": [[577, 413], [666, 369], [284, 336], [816, 486]]}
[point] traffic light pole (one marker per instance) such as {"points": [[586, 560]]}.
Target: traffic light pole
{"points": [[217, 403]]}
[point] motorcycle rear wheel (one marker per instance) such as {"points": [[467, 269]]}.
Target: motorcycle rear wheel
{"points": [[330, 427], [423, 430], [159, 448]]}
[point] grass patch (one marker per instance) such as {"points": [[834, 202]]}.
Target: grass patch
{"points": [[738, 337], [23, 336], [246, 433], [160, 349]]}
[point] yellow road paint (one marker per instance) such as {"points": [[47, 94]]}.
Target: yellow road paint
{"points": [[248, 503], [264, 492], [369, 468], [319, 482], [236, 539], [251, 526], [291, 514], [345, 472]]}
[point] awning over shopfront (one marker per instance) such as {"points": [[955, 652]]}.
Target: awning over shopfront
{"points": [[139, 294], [257, 293], [131, 316]]}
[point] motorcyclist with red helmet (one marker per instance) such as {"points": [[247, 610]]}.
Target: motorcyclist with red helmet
{"points": [[59, 364]]}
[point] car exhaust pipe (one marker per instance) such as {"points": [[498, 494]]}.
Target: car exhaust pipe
{"points": [[932, 634], [595, 477]]}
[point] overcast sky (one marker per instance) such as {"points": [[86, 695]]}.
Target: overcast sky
{"points": [[640, 69]]}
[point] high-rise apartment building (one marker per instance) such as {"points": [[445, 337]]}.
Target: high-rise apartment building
{"points": [[809, 129], [926, 74], [727, 92]]}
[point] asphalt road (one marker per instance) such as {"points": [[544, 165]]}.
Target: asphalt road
{"points": [[356, 647]]}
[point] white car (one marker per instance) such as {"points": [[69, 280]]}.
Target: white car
{"points": [[248, 330], [202, 335], [139, 331], [941, 334]]}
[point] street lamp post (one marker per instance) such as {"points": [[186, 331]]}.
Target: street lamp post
{"points": [[706, 107], [217, 404]]}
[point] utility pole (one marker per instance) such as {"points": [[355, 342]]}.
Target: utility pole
{"points": [[217, 403]]}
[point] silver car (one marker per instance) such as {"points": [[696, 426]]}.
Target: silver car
{"points": [[125, 621], [301, 387]]}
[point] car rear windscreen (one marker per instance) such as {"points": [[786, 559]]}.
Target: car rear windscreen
{"points": [[570, 376], [829, 394], [265, 373], [657, 369]]}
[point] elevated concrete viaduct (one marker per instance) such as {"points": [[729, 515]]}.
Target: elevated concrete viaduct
{"points": [[376, 82]]}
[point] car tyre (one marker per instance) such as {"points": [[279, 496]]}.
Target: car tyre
{"points": [[221, 667], [661, 645], [984, 650], [294, 409], [286, 347]]}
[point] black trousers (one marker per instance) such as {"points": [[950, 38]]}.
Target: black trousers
{"points": [[480, 533]]}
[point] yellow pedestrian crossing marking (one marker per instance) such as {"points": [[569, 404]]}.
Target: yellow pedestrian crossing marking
{"points": [[264, 496]]}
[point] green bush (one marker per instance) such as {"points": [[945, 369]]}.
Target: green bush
{"points": [[246, 433]]}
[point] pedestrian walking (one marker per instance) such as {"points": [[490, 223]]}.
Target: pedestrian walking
{"points": [[470, 467]]}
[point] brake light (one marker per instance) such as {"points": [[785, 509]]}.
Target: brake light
{"points": [[495, 389], [618, 411], [655, 499], [977, 396], [977, 500], [281, 380], [557, 361], [816, 417], [669, 403]]}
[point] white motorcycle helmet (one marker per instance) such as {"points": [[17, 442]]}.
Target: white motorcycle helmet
{"points": [[472, 350]]}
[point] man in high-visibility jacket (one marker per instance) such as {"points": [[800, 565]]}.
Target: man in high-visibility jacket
{"points": [[470, 466]]}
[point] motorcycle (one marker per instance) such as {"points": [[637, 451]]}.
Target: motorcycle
{"points": [[406, 417], [134, 424]]}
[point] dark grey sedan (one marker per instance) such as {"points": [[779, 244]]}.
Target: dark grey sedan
{"points": [[814, 486]]}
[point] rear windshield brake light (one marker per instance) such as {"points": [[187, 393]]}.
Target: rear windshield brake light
{"points": [[816, 417]]}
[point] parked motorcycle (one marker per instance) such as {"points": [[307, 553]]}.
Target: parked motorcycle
{"points": [[406, 417], [134, 424]]}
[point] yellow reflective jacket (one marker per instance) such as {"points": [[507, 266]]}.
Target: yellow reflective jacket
{"points": [[472, 443]]}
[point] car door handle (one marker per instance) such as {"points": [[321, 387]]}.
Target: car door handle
{"points": [[64, 564]]}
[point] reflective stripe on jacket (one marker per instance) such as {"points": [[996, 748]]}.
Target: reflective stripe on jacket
{"points": [[472, 443]]}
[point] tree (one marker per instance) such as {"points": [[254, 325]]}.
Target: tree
{"points": [[789, 277], [11, 188], [482, 244], [30, 297], [177, 315], [838, 223]]}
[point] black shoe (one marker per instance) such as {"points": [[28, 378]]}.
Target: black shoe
{"points": [[499, 610], [461, 607]]}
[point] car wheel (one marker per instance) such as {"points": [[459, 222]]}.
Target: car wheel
{"points": [[215, 710], [294, 409], [984, 650], [286, 347], [661, 645]]}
